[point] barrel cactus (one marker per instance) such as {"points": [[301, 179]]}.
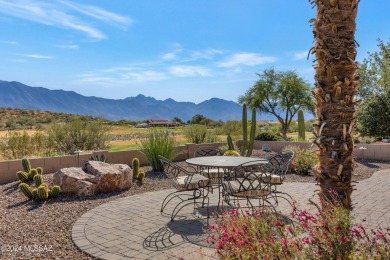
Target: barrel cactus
{"points": [[34, 193], [26, 165], [231, 153], [141, 175], [23, 176], [42, 193], [38, 180], [54, 192], [135, 166], [26, 190], [39, 170], [32, 174]]}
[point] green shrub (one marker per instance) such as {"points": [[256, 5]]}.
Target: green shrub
{"points": [[266, 136], [199, 134], [78, 134], [159, 142], [303, 161]]}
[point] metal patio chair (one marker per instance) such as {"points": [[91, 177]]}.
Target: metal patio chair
{"points": [[191, 187], [248, 183], [275, 172], [214, 174]]}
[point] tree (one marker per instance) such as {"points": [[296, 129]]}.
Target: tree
{"points": [[374, 72], [281, 94], [176, 119], [196, 119], [336, 83], [373, 118]]}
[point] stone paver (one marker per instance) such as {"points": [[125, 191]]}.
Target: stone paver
{"points": [[133, 228]]}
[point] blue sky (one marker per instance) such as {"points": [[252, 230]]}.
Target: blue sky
{"points": [[188, 50]]}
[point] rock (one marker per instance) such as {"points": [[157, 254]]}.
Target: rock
{"points": [[96, 177], [266, 148], [69, 178], [110, 176]]}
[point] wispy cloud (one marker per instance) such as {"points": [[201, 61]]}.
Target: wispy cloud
{"points": [[300, 55], [99, 14], [205, 54], [189, 71], [246, 59], [68, 46], [173, 55], [59, 14], [10, 42], [145, 76], [169, 56], [36, 56]]}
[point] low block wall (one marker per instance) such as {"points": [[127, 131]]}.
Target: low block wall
{"points": [[8, 169]]}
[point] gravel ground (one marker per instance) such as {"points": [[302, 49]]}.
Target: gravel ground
{"points": [[47, 224]]}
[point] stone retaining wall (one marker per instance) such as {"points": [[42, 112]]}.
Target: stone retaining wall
{"points": [[8, 169]]}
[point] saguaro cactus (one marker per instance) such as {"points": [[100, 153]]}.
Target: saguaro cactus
{"points": [[301, 126], [247, 148]]}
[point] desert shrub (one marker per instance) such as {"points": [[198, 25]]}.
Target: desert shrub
{"points": [[266, 136], [78, 134], [18, 145], [199, 134], [368, 140], [303, 161], [328, 234], [159, 142]]}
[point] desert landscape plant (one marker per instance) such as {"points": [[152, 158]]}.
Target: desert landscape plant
{"points": [[159, 142], [322, 235]]}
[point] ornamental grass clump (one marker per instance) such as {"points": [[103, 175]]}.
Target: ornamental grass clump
{"points": [[158, 142], [328, 234]]}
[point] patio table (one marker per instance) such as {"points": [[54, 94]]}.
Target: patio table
{"points": [[225, 163]]}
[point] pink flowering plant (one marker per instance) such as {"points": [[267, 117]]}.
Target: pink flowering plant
{"points": [[328, 234]]}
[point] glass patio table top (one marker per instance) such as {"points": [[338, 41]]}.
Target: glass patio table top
{"points": [[224, 161]]}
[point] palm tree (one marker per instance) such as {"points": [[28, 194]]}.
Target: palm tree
{"points": [[336, 83]]}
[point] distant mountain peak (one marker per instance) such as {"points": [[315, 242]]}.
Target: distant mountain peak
{"points": [[17, 95]]}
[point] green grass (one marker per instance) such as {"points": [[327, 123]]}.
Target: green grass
{"points": [[119, 148]]}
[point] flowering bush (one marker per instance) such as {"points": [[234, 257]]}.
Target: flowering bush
{"points": [[325, 235], [303, 161]]}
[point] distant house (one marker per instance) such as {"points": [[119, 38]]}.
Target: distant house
{"points": [[143, 125], [161, 122]]}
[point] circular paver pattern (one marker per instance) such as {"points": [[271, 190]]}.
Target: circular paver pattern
{"points": [[133, 227]]}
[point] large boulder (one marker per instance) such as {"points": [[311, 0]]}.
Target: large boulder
{"points": [[96, 177]]}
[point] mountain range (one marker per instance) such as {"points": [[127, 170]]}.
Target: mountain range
{"points": [[17, 95]]}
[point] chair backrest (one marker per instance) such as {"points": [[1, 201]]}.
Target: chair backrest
{"points": [[279, 163], [208, 151], [171, 169], [250, 180]]}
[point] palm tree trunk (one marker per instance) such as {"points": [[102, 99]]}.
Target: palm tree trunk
{"points": [[336, 83]]}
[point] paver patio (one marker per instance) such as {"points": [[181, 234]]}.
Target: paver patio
{"points": [[133, 228]]}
